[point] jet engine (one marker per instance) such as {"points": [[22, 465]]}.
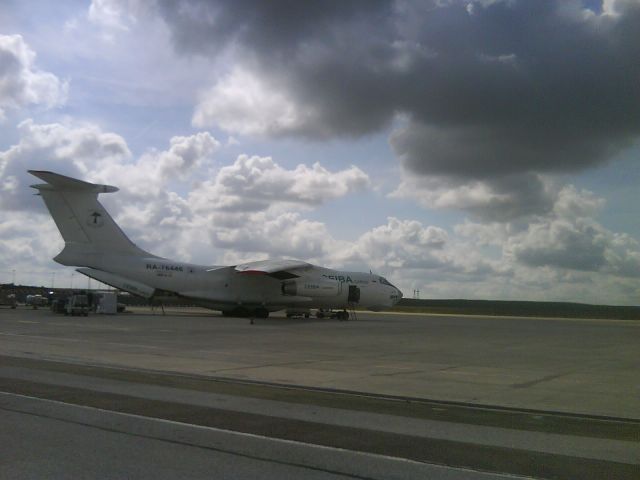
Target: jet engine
{"points": [[312, 288]]}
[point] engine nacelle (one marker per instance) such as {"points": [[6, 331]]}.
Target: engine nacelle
{"points": [[311, 288]]}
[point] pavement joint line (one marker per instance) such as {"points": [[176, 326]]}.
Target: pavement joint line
{"points": [[77, 340], [203, 427], [470, 432], [350, 417], [190, 311], [281, 441], [635, 323], [458, 458], [353, 393], [121, 344], [267, 365], [24, 335]]}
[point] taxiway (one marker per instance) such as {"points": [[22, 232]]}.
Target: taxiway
{"points": [[384, 396]]}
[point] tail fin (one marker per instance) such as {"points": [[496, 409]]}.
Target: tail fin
{"points": [[86, 227]]}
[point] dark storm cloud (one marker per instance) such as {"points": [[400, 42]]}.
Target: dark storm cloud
{"points": [[484, 151], [515, 196], [271, 28], [508, 87], [327, 55]]}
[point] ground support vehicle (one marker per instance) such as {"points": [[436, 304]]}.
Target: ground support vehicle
{"points": [[8, 299], [298, 312], [326, 313], [78, 305]]}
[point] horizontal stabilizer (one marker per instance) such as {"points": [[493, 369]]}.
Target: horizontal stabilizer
{"points": [[67, 184]]}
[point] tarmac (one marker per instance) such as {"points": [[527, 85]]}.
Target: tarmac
{"points": [[379, 396]]}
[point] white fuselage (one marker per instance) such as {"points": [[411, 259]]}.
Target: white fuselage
{"points": [[223, 288]]}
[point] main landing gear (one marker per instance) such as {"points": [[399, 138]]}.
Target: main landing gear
{"points": [[259, 313], [342, 315]]}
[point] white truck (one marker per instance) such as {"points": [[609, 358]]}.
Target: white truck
{"points": [[36, 301], [108, 303]]}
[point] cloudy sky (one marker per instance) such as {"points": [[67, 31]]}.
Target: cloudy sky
{"points": [[465, 148]]}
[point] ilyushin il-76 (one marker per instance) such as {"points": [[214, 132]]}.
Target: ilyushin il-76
{"points": [[96, 244]]}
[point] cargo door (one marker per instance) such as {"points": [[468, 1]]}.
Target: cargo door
{"points": [[354, 294]]}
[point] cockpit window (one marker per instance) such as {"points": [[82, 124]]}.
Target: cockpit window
{"points": [[384, 281]]}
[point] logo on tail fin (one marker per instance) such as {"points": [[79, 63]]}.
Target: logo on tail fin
{"points": [[95, 219]]}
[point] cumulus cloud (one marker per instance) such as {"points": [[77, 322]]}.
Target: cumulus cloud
{"points": [[284, 235], [565, 246], [248, 206], [564, 253], [561, 243], [402, 243], [118, 14], [147, 176], [570, 238], [246, 210], [68, 149], [108, 13], [503, 198], [152, 212], [28, 244], [21, 83], [258, 183], [187, 153], [566, 249], [247, 104], [425, 257], [251, 208]]}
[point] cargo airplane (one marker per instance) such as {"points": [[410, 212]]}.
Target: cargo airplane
{"points": [[94, 242]]}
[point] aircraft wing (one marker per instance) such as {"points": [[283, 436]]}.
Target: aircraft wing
{"points": [[280, 269]]}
